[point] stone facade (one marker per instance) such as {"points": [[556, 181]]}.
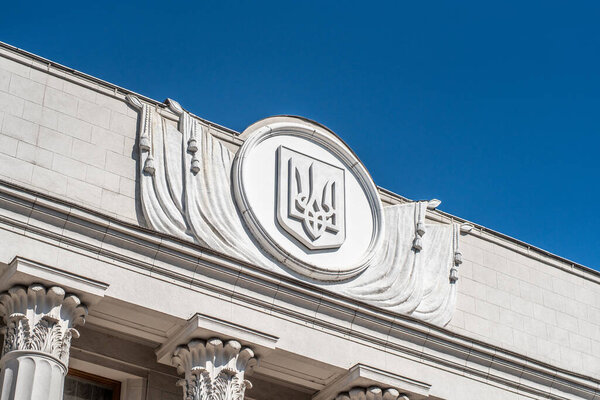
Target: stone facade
{"points": [[525, 323]]}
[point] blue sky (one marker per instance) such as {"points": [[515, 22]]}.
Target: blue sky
{"points": [[492, 108]]}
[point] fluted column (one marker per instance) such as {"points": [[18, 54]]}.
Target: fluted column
{"points": [[213, 369], [371, 393], [37, 339]]}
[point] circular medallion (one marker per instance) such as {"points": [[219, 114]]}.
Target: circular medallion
{"points": [[307, 199]]}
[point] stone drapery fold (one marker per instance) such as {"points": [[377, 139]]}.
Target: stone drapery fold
{"points": [[185, 190]]}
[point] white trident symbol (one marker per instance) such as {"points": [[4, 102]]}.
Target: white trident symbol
{"points": [[310, 200], [317, 210]]}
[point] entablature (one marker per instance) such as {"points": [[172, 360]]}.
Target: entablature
{"points": [[190, 270]]}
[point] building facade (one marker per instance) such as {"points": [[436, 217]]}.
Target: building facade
{"points": [[146, 253]]}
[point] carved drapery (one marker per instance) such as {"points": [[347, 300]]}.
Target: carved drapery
{"points": [[39, 325], [185, 191], [371, 393], [213, 370]]}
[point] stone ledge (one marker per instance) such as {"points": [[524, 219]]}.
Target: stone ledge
{"points": [[22, 271], [365, 376], [204, 327]]}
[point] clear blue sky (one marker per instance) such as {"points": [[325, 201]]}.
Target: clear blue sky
{"points": [[492, 108]]}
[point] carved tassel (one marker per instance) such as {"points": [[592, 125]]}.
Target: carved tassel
{"points": [[145, 144], [192, 145], [149, 165], [195, 164], [419, 227], [453, 274], [418, 243], [457, 254], [145, 121]]}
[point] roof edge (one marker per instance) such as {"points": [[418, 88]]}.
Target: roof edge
{"points": [[233, 132], [102, 82], [483, 229]]}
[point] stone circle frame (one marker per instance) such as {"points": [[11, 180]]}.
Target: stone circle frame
{"points": [[333, 143]]}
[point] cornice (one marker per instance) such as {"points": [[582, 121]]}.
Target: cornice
{"points": [[218, 275], [23, 271], [365, 376], [205, 327]]}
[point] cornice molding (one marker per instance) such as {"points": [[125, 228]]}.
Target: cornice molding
{"points": [[397, 334], [23, 271], [362, 379], [205, 327]]}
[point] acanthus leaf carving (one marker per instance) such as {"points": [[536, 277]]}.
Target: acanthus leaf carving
{"points": [[213, 370], [372, 392], [40, 319]]}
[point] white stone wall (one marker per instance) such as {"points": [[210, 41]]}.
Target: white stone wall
{"points": [[529, 304], [74, 139], [66, 137]]}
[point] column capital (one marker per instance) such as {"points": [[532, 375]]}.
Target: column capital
{"points": [[371, 393], [41, 319], [213, 369], [363, 382]]}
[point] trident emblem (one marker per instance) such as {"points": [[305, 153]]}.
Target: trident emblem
{"points": [[317, 211], [310, 200]]}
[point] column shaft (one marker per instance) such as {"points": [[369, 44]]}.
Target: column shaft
{"points": [[31, 376]]}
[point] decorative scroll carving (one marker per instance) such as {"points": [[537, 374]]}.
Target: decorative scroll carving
{"points": [[185, 189], [213, 370], [41, 319], [371, 393]]}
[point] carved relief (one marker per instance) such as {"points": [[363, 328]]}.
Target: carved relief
{"points": [[41, 319], [213, 370], [306, 208], [371, 393], [312, 193]]}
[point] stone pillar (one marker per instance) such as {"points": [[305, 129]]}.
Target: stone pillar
{"points": [[37, 339], [213, 369], [371, 393]]}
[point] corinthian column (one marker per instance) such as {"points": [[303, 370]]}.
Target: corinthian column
{"points": [[37, 338], [213, 369]]}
